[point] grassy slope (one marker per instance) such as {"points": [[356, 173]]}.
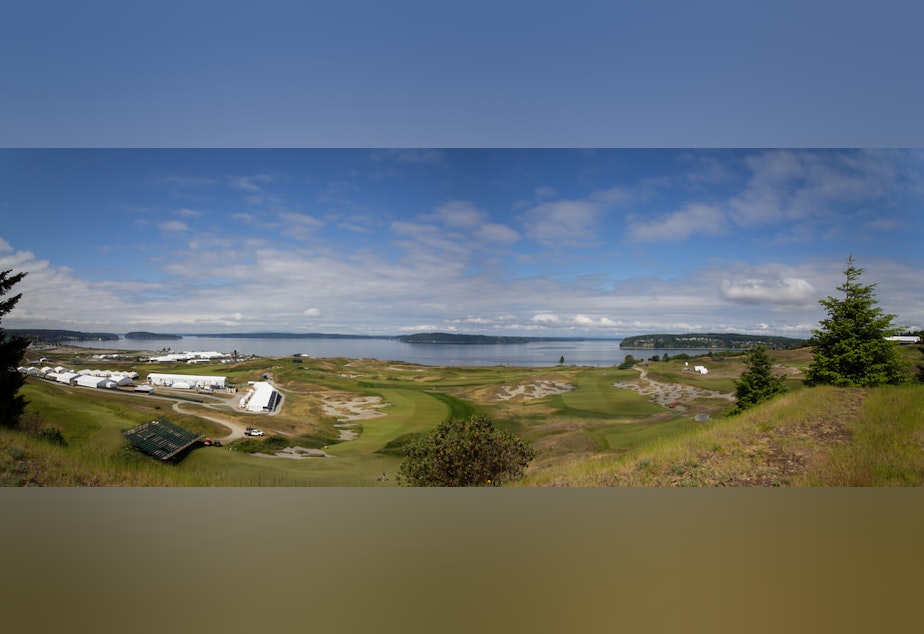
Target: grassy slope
{"points": [[593, 435], [822, 436]]}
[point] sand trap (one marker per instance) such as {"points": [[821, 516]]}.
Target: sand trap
{"points": [[355, 408], [347, 431], [297, 453], [535, 390], [666, 393]]}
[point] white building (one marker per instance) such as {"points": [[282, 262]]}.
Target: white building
{"points": [[701, 369], [262, 397], [186, 381]]}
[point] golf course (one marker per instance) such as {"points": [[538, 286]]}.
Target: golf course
{"points": [[345, 422]]}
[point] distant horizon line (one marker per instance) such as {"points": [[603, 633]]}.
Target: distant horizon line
{"points": [[321, 335]]}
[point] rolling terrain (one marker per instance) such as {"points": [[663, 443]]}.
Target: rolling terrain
{"points": [[343, 422]]}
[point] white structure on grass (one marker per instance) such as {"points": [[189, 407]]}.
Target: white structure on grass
{"points": [[186, 381], [101, 382], [189, 357], [262, 397], [905, 339]]}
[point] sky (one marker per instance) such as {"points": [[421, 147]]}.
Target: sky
{"points": [[383, 228], [531, 242]]}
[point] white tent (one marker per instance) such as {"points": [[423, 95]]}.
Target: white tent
{"points": [[171, 380], [87, 380], [263, 398]]}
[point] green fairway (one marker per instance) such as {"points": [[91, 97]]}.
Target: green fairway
{"points": [[595, 397]]}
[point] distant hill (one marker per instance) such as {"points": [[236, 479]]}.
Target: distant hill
{"points": [[710, 341], [150, 335], [285, 335], [443, 337], [42, 335]]}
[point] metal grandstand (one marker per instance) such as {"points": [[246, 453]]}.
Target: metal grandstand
{"points": [[161, 439]]}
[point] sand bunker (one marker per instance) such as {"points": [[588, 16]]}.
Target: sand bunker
{"points": [[666, 393], [297, 453], [353, 408], [349, 409], [535, 390]]}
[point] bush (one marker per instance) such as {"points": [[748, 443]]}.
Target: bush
{"points": [[465, 452], [52, 435]]}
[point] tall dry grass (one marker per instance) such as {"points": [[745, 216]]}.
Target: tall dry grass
{"points": [[822, 436]]}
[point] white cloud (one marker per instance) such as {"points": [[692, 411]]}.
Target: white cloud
{"points": [[312, 312], [780, 290], [174, 226], [458, 214], [562, 222], [253, 183], [496, 233], [546, 318], [679, 225]]}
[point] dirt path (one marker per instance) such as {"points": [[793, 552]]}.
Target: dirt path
{"points": [[237, 430], [666, 393]]}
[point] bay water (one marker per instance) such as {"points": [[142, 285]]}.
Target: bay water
{"points": [[532, 354]]}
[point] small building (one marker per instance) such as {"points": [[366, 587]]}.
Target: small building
{"points": [[144, 389], [701, 369]]}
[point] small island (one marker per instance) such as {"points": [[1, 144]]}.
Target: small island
{"points": [[710, 341], [150, 335]]}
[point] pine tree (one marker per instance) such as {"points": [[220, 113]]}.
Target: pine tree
{"points": [[12, 350], [758, 383], [850, 347]]}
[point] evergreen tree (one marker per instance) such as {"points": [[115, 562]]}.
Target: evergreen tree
{"points": [[12, 350], [757, 383], [850, 347]]}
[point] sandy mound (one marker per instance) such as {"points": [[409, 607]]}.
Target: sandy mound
{"points": [[535, 390]]}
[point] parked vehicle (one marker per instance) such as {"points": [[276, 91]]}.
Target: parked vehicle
{"points": [[253, 431]]}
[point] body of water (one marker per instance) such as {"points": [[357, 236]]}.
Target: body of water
{"points": [[533, 354]]}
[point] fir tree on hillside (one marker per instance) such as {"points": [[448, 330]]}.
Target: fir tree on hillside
{"points": [[12, 350], [757, 383], [850, 347]]}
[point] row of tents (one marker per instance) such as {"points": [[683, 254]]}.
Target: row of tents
{"points": [[86, 378]]}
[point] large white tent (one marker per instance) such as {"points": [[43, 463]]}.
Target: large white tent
{"points": [[262, 397], [190, 380]]}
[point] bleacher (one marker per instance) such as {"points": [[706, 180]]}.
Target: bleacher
{"points": [[273, 401], [161, 439]]}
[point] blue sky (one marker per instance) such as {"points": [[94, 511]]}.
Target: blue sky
{"points": [[521, 242], [528, 241]]}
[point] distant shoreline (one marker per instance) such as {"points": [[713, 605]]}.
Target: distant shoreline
{"points": [[716, 341]]}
